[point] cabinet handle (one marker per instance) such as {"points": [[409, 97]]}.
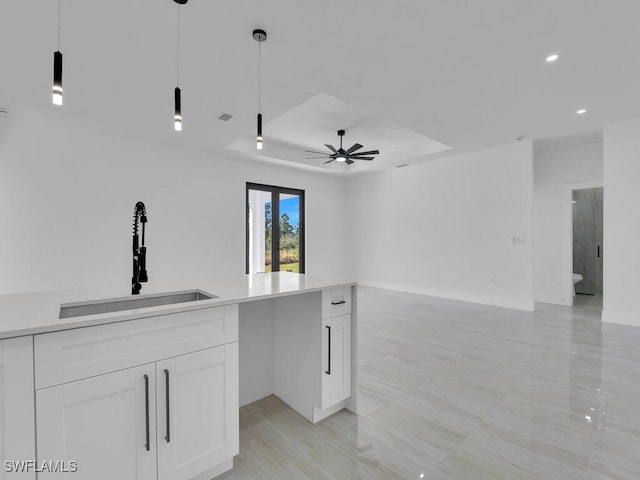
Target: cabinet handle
{"points": [[598, 251], [341, 302], [167, 437], [328, 372], [146, 409]]}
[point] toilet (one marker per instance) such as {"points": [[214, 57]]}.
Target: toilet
{"points": [[576, 278]]}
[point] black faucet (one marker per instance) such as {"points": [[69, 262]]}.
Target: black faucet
{"points": [[139, 253]]}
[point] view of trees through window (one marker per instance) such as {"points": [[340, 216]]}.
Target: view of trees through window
{"points": [[289, 235]]}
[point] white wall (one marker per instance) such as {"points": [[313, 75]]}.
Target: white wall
{"points": [[555, 171], [67, 198], [622, 223], [447, 227]]}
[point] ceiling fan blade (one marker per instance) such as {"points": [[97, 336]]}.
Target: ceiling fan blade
{"points": [[313, 151], [354, 147], [348, 161], [362, 158], [330, 147], [370, 152], [329, 161], [324, 156]]}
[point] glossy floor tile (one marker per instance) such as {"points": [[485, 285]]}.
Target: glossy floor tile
{"points": [[456, 391]]}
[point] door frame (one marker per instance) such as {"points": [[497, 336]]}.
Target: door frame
{"points": [[275, 219], [568, 227]]}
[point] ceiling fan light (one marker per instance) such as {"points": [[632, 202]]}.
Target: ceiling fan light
{"points": [[341, 159]]}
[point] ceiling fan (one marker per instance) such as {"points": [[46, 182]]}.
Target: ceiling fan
{"points": [[341, 155]]}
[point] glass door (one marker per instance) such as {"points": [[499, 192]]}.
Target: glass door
{"points": [[289, 228], [275, 229]]}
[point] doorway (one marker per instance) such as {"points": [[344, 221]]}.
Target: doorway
{"points": [[587, 242], [275, 229]]}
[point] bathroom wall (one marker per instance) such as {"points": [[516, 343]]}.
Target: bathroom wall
{"points": [[587, 239], [67, 198], [458, 227], [555, 170], [622, 222]]}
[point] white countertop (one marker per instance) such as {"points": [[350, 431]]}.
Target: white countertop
{"points": [[38, 312]]}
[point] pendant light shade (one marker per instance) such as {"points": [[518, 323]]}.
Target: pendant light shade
{"points": [[259, 136], [177, 118], [57, 78], [259, 36]]}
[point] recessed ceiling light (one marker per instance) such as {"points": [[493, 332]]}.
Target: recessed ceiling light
{"points": [[552, 58], [582, 111]]}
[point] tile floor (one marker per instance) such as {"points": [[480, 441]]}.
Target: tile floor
{"points": [[452, 390]]}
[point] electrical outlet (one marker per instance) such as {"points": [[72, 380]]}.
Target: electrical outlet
{"points": [[493, 279]]}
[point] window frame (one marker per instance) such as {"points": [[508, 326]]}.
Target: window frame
{"points": [[275, 222]]}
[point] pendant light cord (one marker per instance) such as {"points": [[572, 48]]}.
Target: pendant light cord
{"points": [[178, 52], [59, 16], [259, 77]]}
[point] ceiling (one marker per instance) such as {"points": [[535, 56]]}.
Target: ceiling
{"points": [[315, 123], [464, 73]]}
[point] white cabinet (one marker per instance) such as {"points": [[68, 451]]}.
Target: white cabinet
{"points": [[17, 437], [106, 424], [197, 398], [313, 350], [174, 417], [120, 425], [336, 360]]}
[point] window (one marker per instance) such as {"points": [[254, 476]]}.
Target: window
{"points": [[275, 229]]}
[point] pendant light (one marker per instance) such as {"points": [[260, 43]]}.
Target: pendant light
{"points": [[57, 67], [259, 36], [177, 94]]}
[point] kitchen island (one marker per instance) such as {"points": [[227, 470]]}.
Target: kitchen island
{"points": [[156, 390]]}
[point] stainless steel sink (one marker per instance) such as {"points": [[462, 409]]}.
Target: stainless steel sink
{"points": [[118, 304]]}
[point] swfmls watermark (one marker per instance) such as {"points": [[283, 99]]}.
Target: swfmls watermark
{"points": [[50, 466]]}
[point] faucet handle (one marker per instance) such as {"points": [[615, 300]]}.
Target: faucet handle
{"points": [[142, 265]]}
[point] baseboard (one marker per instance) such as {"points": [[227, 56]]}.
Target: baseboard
{"points": [[319, 415], [622, 318], [215, 471], [552, 299], [528, 306]]}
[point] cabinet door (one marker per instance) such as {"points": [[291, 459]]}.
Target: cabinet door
{"points": [[106, 424], [198, 428], [17, 439], [336, 360]]}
